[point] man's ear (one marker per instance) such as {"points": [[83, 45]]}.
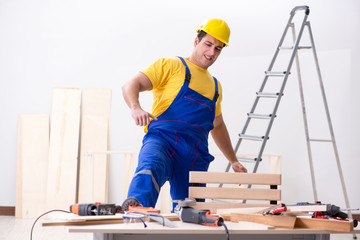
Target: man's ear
{"points": [[196, 42]]}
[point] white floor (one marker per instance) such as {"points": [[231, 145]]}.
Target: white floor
{"points": [[19, 229]]}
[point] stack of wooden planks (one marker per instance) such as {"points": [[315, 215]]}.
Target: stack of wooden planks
{"points": [[296, 217], [53, 171]]}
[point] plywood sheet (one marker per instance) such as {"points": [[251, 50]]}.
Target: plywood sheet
{"points": [[94, 142], [63, 149], [32, 159]]}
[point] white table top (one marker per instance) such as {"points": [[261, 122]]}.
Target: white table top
{"points": [[186, 228]]}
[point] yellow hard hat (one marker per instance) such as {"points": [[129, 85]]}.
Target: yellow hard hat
{"points": [[216, 28]]}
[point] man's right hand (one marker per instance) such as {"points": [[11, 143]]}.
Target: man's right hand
{"points": [[141, 117], [131, 90]]}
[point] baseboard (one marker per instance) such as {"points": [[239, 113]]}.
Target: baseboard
{"points": [[356, 216], [7, 211]]}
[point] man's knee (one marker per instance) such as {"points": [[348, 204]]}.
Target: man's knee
{"points": [[144, 188]]}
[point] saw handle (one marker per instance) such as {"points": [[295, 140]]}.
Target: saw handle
{"points": [[191, 215], [210, 220]]}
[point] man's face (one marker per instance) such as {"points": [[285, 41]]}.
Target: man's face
{"points": [[206, 51]]}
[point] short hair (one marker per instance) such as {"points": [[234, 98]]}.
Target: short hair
{"points": [[202, 34]]}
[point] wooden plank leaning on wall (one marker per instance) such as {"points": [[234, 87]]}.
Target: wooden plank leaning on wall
{"points": [[94, 142], [32, 158], [63, 149]]}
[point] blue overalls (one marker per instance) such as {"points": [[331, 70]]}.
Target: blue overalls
{"points": [[175, 144]]}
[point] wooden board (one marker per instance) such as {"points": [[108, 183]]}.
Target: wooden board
{"points": [[235, 178], [214, 206], [325, 224], [95, 123], [63, 149], [82, 223], [60, 219], [244, 210], [234, 193], [276, 221], [32, 158], [165, 203], [274, 164], [129, 170], [308, 208]]}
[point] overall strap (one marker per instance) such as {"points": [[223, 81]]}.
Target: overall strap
{"points": [[188, 75], [216, 90]]}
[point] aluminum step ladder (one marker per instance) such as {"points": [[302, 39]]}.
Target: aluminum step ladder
{"points": [[271, 73]]}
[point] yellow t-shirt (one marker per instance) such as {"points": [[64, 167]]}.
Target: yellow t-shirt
{"points": [[167, 76]]}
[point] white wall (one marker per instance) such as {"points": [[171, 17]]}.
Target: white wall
{"points": [[46, 44]]}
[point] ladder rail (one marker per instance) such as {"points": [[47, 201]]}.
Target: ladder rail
{"points": [[280, 94], [264, 82], [330, 123], [292, 14], [298, 8], [271, 121], [274, 57], [306, 126], [258, 159]]}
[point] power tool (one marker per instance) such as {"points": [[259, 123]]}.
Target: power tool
{"points": [[88, 209], [333, 212], [276, 211], [190, 215]]}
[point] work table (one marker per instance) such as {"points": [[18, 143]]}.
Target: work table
{"points": [[241, 230], [114, 228]]}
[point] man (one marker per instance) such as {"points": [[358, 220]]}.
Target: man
{"points": [[186, 108]]}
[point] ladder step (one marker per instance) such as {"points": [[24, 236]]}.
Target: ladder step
{"points": [[286, 47], [305, 47], [292, 47], [275, 74], [259, 116], [250, 137], [268, 95], [247, 159], [320, 140]]}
